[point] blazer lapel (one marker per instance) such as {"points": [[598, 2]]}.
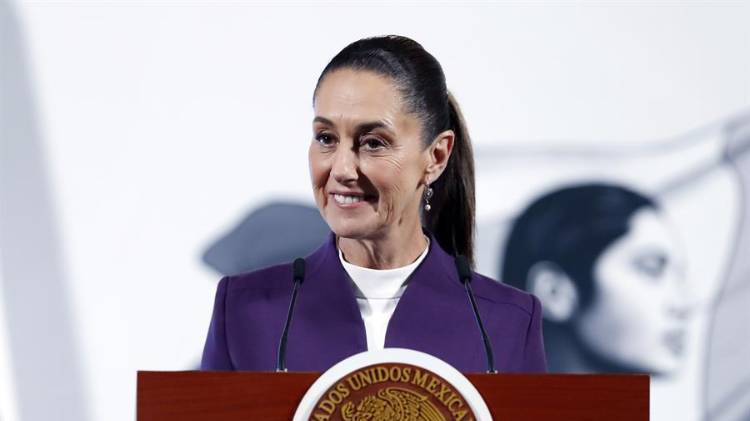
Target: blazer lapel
{"points": [[434, 315], [327, 325]]}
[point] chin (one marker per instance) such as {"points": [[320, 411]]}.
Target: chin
{"points": [[658, 364], [624, 358], [350, 228], [664, 367]]}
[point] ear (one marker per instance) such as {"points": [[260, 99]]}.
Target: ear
{"points": [[556, 291], [438, 154]]}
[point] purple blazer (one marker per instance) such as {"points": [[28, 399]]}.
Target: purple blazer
{"points": [[434, 315]]}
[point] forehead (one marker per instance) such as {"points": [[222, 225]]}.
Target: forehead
{"points": [[649, 230], [350, 96]]}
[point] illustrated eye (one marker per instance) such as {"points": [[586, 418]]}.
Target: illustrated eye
{"points": [[653, 266]]}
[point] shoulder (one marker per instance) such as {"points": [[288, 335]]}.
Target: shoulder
{"points": [[279, 276], [499, 293], [272, 277], [485, 288]]}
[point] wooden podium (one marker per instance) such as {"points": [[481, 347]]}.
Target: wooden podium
{"points": [[235, 396]]}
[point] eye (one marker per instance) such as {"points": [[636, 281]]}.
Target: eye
{"points": [[325, 139], [372, 143], [652, 266]]}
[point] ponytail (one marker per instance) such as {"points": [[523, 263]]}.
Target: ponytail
{"points": [[451, 217]]}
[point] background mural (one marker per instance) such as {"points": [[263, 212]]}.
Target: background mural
{"points": [[148, 148], [634, 256]]}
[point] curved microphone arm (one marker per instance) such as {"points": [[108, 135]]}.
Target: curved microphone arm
{"points": [[298, 275], [464, 274]]}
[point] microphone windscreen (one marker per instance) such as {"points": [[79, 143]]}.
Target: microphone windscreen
{"points": [[299, 269], [463, 268]]}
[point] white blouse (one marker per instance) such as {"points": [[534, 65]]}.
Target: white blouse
{"points": [[378, 292]]}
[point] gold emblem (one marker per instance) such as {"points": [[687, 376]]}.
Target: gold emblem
{"points": [[392, 404], [392, 392]]}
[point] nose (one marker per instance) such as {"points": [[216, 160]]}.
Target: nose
{"points": [[680, 306], [680, 311], [345, 166]]}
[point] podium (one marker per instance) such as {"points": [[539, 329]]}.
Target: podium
{"points": [[235, 396]]}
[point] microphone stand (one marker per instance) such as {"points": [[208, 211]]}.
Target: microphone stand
{"points": [[464, 274], [297, 277]]}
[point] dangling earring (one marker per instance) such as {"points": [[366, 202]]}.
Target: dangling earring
{"points": [[427, 197]]}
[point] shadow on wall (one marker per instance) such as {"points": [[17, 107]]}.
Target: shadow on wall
{"points": [[45, 358], [272, 234]]}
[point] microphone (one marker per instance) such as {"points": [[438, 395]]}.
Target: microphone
{"points": [[464, 274], [298, 275]]}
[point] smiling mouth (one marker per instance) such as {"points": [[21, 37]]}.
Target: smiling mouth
{"points": [[347, 200], [351, 199]]}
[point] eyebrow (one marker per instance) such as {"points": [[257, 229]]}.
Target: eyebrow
{"points": [[362, 127]]}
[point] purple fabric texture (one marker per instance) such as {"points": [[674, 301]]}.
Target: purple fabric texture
{"points": [[433, 316]]}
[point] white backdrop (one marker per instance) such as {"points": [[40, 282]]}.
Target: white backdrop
{"points": [[161, 123]]}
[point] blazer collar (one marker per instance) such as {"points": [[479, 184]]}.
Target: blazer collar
{"points": [[437, 270], [432, 316]]}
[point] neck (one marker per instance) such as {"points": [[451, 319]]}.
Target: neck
{"points": [[395, 250], [566, 353], [563, 351]]}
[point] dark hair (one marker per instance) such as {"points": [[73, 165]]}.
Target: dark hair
{"points": [[570, 228], [420, 79]]}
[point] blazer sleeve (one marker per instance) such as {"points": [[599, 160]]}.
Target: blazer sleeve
{"points": [[534, 359], [216, 352]]}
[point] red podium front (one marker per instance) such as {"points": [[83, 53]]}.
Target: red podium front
{"points": [[235, 396]]}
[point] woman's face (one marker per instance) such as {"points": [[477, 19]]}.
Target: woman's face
{"points": [[367, 162], [637, 317]]}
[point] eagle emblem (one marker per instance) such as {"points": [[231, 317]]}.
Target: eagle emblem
{"points": [[392, 404]]}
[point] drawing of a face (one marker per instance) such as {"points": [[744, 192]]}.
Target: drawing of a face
{"points": [[610, 273], [637, 316]]}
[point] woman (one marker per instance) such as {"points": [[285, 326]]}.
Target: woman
{"points": [[610, 274], [390, 153]]}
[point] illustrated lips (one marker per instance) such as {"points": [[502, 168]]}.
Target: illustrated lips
{"points": [[675, 341]]}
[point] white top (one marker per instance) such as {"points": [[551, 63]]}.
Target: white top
{"points": [[378, 292]]}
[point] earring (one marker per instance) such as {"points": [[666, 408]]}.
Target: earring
{"points": [[427, 196]]}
